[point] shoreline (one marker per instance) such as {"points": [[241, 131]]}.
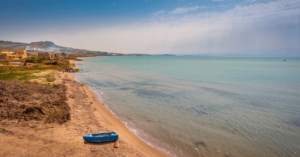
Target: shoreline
{"points": [[86, 57], [120, 127], [132, 126]]}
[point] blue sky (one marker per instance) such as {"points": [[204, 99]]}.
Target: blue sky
{"points": [[244, 27]]}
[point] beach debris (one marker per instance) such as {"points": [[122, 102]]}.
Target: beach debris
{"points": [[197, 144], [116, 144], [129, 118], [93, 149]]}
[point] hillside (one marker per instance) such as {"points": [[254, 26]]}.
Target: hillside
{"points": [[18, 45], [49, 46]]}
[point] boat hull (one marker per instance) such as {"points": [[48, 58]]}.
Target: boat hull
{"points": [[101, 137]]}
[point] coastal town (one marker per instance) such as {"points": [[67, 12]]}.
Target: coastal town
{"points": [[22, 57], [23, 54]]}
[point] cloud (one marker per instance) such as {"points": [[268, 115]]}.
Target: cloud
{"points": [[271, 28], [218, 0], [159, 12], [223, 6], [183, 10], [250, 1]]}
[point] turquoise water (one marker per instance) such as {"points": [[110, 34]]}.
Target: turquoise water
{"points": [[216, 69], [213, 106]]}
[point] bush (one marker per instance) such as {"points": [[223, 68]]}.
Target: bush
{"points": [[40, 59], [51, 63], [50, 79], [31, 59], [35, 60]]}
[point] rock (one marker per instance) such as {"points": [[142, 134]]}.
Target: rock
{"points": [[197, 144]]}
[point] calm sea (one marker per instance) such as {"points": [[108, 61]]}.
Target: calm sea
{"points": [[203, 106]]}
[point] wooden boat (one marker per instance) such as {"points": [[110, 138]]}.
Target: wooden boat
{"points": [[101, 137]]}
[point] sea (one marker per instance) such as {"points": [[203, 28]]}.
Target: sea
{"points": [[203, 106]]}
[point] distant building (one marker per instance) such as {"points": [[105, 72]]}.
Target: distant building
{"points": [[12, 57], [64, 55], [32, 54], [2, 55], [57, 55], [6, 52], [46, 55], [21, 54]]}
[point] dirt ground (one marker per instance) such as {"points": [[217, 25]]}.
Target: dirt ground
{"points": [[23, 102], [37, 138]]}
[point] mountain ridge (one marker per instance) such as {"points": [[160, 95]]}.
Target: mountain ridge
{"points": [[49, 46]]}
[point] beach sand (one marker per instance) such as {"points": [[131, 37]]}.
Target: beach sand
{"points": [[88, 115]]}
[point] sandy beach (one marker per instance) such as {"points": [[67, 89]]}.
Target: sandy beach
{"points": [[87, 114]]}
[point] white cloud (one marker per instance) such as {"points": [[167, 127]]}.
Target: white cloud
{"points": [[264, 28], [159, 12], [183, 10], [223, 6]]}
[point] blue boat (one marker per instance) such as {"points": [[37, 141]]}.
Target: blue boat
{"points": [[101, 137]]}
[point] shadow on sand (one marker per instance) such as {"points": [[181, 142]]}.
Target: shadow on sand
{"points": [[98, 143]]}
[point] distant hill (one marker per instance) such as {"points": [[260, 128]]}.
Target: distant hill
{"points": [[18, 45], [165, 55], [48, 46], [11, 46], [41, 44]]}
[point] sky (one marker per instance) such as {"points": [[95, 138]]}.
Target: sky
{"points": [[190, 27]]}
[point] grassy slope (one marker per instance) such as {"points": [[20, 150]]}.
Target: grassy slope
{"points": [[19, 75]]}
